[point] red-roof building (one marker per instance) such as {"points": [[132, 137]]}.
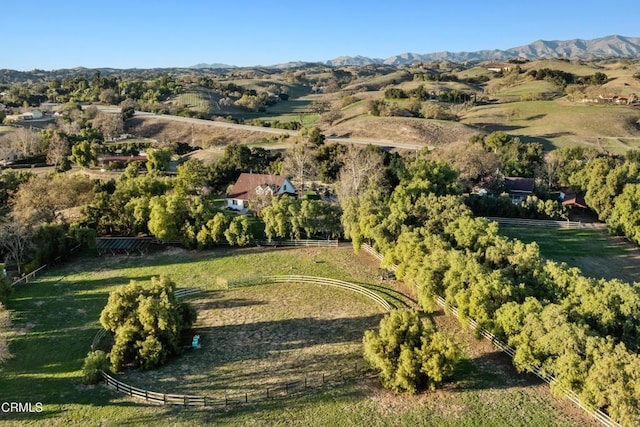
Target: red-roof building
{"points": [[253, 187], [572, 199]]}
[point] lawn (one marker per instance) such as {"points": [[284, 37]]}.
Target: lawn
{"points": [[594, 251], [56, 318]]}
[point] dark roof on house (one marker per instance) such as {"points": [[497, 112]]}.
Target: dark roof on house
{"points": [[516, 184], [245, 186]]}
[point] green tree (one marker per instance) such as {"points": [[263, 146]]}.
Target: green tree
{"points": [[409, 352], [45, 197], [625, 215], [82, 154], [191, 177], [311, 135], [167, 215], [94, 365], [158, 159], [146, 323], [239, 232], [213, 231]]}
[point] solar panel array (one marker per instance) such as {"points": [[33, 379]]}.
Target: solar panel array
{"points": [[127, 245]]}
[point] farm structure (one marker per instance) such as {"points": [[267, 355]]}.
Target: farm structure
{"points": [[253, 187]]}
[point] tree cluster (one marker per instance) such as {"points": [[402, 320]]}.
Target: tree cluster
{"points": [[146, 323], [290, 218], [582, 331], [516, 157], [563, 78]]}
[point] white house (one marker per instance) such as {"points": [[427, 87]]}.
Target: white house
{"points": [[251, 187], [32, 115]]}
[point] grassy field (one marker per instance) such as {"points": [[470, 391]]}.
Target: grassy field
{"points": [[256, 337], [56, 317], [594, 251], [560, 123]]}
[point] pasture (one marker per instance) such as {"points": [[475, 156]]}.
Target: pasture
{"points": [[594, 251], [561, 123], [56, 317]]}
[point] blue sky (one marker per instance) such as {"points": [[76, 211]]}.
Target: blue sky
{"points": [[144, 34]]}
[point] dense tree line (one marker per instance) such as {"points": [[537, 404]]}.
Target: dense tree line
{"points": [[582, 331], [563, 78], [96, 88], [290, 218], [610, 186]]}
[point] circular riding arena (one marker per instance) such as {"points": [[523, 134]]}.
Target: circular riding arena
{"points": [[261, 336]]}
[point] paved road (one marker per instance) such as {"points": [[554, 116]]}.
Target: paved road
{"points": [[215, 123], [274, 131], [270, 131]]}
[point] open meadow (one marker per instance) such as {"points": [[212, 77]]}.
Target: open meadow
{"points": [[594, 251], [251, 332]]}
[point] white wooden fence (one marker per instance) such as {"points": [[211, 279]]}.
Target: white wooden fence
{"points": [[315, 280], [600, 416]]}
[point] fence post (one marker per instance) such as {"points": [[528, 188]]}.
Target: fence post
{"points": [[323, 378], [267, 393], [246, 397], [225, 398], [305, 382]]}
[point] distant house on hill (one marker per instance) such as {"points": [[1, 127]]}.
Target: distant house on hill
{"points": [[519, 188], [32, 115], [498, 67], [252, 187]]}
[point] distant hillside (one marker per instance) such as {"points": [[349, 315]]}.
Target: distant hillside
{"points": [[217, 65], [605, 47]]}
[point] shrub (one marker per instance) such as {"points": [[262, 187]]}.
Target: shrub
{"points": [[5, 289], [95, 363], [146, 323], [409, 352]]}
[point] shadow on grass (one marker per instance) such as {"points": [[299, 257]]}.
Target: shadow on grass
{"points": [[276, 411], [495, 127], [229, 303], [261, 339], [489, 371], [535, 117], [250, 356]]}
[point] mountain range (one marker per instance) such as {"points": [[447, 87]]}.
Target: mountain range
{"points": [[575, 49]]}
